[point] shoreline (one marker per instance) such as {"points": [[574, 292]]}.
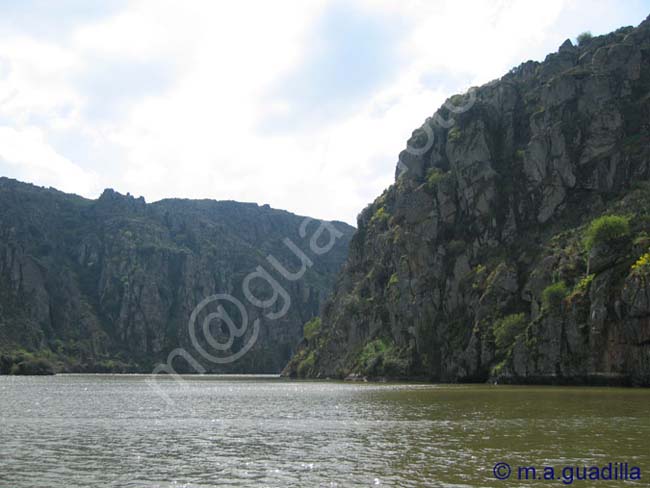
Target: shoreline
{"points": [[590, 381]]}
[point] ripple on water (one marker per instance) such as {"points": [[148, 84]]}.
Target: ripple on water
{"points": [[94, 430]]}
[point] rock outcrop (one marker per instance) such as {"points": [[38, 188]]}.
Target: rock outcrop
{"points": [[110, 284], [473, 264]]}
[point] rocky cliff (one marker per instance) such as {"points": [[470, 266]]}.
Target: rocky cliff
{"points": [[110, 284], [514, 242]]}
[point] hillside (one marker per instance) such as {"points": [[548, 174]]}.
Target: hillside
{"points": [[110, 284], [489, 257]]}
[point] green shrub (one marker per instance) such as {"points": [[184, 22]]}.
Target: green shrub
{"points": [[581, 288], [607, 229], [507, 329], [306, 365], [32, 366], [311, 328], [584, 284], [380, 215], [371, 351], [434, 175], [380, 358], [434, 178], [498, 369], [453, 134], [584, 37], [553, 295], [394, 279]]}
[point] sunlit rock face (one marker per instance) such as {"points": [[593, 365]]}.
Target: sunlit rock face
{"points": [[454, 270]]}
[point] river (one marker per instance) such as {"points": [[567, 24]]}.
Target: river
{"points": [[207, 431]]}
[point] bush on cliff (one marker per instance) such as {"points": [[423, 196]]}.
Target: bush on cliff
{"points": [[606, 230], [306, 365], [507, 329], [311, 328], [36, 366], [380, 216], [380, 358], [584, 37], [553, 295]]}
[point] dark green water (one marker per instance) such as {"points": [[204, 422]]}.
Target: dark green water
{"points": [[103, 430]]}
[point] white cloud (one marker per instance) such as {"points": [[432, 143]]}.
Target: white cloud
{"points": [[35, 82], [197, 132], [30, 158]]}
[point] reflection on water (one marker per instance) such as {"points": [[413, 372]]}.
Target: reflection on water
{"points": [[105, 430]]}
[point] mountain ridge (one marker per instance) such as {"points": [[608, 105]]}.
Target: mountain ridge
{"points": [[110, 284]]}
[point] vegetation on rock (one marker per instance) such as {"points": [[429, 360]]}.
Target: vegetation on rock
{"points": [[468, 281], [109, 284], [507, 329], [553, 296], [606, 230], [311, 328], [584, 37]]}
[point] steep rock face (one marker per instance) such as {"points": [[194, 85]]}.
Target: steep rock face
{"points": [[110, 284], [448, 273]]}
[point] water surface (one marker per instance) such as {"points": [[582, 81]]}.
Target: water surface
{"points": [[116, 430]]}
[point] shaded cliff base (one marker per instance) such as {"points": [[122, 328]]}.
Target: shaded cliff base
{"points": [[46, 362], [604, 379]]}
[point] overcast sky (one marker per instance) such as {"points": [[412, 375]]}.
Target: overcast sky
{"points": [[304, 105]]}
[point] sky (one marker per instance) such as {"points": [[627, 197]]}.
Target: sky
{"points": [[303, 105]]}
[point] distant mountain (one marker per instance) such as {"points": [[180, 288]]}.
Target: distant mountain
{"points": [[514, 243], [110, 284]]}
